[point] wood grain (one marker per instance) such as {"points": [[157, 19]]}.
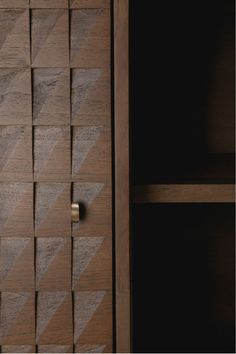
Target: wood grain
{"points": [[86, 4], [14, 38], [18, 349], [52, 210], [49, 4], [91, 104], [50, 31], [90, 35], [122, 176], [51, 96], [16, 212], [15, 4], [185, 193], [52, 154], [15, 91], [16, 153]]}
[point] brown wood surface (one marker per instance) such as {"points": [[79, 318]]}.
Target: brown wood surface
{"points": [[185, 193], [122, 177], [55, 148]]}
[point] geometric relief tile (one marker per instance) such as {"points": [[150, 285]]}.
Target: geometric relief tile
{"points": [[17, 318], [84, 249], [90, 97], [15, 4], [86, 4], [52, 210], [90, 38], [55, 349], [95, 198], [54, 318], [86, 348], [15, 153], [52, 156], [14, 38], [51, 96], [48, 4], [50, 31], [91, 154], [16, 212], [16, 264], [92, 263], [15, 96], [18, 349], [93, 319], [53, 264]]}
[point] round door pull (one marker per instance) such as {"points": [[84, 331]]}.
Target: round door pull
{"points": [[75, 216]]}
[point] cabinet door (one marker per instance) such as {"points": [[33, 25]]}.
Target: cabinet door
{"points": [[55, 149]]}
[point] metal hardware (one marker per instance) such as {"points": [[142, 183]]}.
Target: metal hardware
{"points": [[75, 217]]}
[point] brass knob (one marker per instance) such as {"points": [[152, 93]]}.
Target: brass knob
{"points": [[75, 217]]}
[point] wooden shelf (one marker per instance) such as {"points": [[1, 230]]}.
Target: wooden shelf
{"points": [[184, 193]]}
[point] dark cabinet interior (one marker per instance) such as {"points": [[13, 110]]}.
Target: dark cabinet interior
{"points": [[182, 129]]}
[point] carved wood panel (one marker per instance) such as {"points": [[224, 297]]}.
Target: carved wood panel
{"points": [[55, 147]]}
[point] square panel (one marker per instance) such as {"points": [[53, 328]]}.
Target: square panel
{"points": [[49, 4], [52, 210], [86, 4], [93, 320], [52, 153], [14, 38], [91, 154], [92, 263], [91, 97], [16, 153], [15, 4], [54, 318], [53, 264], [50, 31], [15, 96], [17, 318], [16, 212], [51, 96], [90, 38], [95, 199], [17, 264]]}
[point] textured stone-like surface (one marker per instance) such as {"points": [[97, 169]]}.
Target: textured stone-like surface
{"points": [[86, 304], [54, 318], [15, 96], [15, 4], [14, 38], [52, 210], [50, 4], [96, 200], [86, 4], [17, 318], [18, 349], [16, 264], [16, 212], [90, 38], [51, 96], [16, 153], [53, 264], [52, 153], [50, 31], [84, 249], [90, 97], [55, 349]]}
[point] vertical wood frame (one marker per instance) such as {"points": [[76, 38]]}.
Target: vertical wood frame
{"points": [[122, 175]]}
